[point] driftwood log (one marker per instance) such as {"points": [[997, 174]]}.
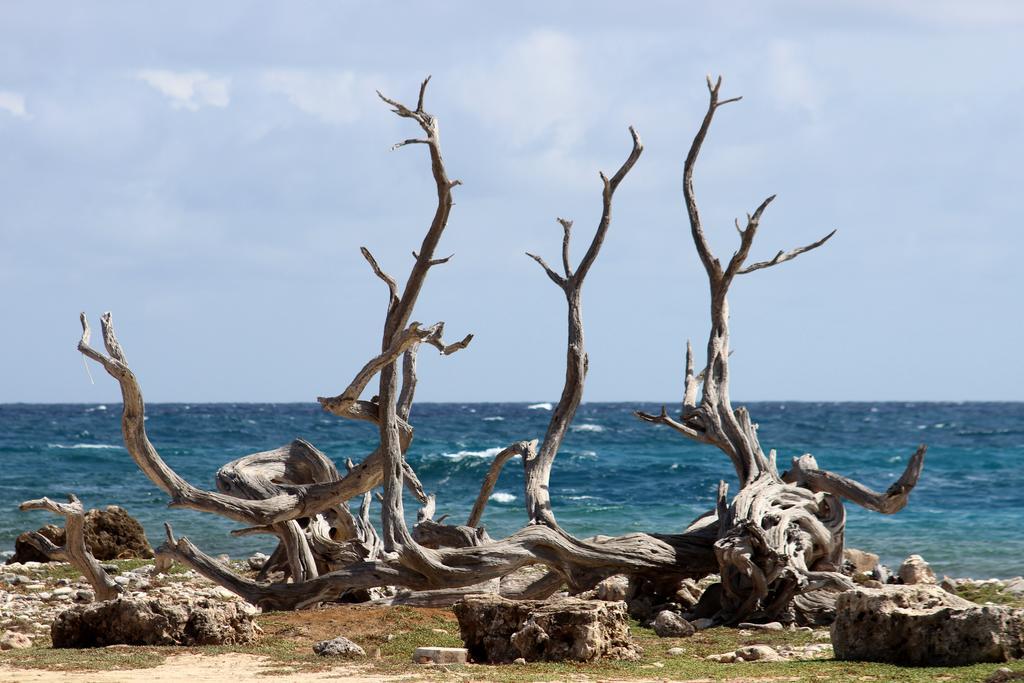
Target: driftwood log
{"points": [[779, 540]]}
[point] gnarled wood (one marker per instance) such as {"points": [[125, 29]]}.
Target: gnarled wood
{"points": [[74, 551], [778, 539], [538, 469], [780, 536]]}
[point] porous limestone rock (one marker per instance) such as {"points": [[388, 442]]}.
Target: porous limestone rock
{"points": [[915, 570], [496, 629], [671, 625], [923, 625], [338, 647], [131, 621], [859, 561]]}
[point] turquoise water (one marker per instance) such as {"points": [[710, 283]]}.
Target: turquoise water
{"points": [[615, 474]]}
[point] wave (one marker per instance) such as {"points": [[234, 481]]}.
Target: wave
{"points": [[588, 427], [502, 497], [92, 410], [83, 445], [539, 406], [494, 418], [486, 453]]}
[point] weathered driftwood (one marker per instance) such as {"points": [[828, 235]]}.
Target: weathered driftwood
{"points": [[74, 551], [782, 534], [777, 543]]}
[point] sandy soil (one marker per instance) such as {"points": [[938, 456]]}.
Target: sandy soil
{"points": [[187, 667]]}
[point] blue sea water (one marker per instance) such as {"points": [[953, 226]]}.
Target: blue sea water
{"points": [[614, 474]]}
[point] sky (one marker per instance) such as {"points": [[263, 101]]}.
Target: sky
{"points": [[208, 172]]}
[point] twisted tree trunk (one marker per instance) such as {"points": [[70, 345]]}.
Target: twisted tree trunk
{"points": [[780, 537]]}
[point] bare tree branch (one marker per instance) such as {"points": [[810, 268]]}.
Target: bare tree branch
{"points": [[525, 449], [782, 256], [555, 277], [388, 280], [805, 473], [538, 469], [74, 550]]}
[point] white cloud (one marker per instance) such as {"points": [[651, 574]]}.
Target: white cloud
{"points": [[188, 89], [331, 96], [13, 103], [537, 89]]}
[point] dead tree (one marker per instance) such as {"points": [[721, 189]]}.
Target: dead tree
{"points": [[296, 493], [782, 535], [74, 551]]}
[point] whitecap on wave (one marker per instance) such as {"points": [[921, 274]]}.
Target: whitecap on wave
{"points": [[502, 497], [587, 427], [539, 406], [494, 418], [82, 445], [486, 453]]}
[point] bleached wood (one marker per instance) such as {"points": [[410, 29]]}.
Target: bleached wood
{"points": [[74, 551], [781, 535]]}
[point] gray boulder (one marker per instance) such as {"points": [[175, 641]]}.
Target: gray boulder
{"points": [[923, 625], [495, 629], [671, 625], [338, 647]]}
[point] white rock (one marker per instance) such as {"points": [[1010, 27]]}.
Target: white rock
{"points": [[11, 640], [338, 647]]}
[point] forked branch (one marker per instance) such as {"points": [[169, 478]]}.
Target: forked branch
{"points": [[74, 551], [538, 469]]}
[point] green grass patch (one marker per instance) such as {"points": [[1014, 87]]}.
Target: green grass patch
{"points": [[987, 592]]}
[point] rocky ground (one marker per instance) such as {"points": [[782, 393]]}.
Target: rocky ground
{"points": [[33, 594]]}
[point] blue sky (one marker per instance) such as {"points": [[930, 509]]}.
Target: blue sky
{"points": [[208, 171]]}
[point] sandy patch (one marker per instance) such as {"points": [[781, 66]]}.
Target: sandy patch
{"points": [[188, 668]]}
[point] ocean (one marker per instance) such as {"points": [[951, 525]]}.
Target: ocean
{"points": [[613, 475]]}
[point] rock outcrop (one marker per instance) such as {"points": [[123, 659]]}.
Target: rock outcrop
{"points": [[495, 629], [129, 621], [110, 534], [923, 625]]}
